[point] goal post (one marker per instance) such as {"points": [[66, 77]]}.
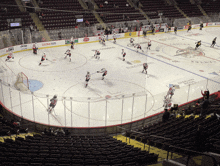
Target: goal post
{"points": [[22, 82]]}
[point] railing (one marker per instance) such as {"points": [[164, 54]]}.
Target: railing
{"points": [[190, 154]]}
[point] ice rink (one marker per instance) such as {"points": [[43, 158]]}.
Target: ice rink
{"points": [[126, 94]]}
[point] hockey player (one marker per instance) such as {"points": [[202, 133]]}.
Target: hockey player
{"points": [[104, 71], [97, 54], [145, 32], [145, 67], [169, 29], [149, 45], [35, 48], [170, 92], [213, 42], [123, 54], [43, 58], [68, 53], [139, 47], [114, 37], [153, 30], [53, 103], [132, 41], [201, 26], [175, 30], [167, 103], [10, 56], [103, 39], [72, 45], [198, 44], [189, 28], [87, 79]]}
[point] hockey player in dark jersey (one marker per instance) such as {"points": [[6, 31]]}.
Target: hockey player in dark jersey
{"points": [[175, 30], [213, 42], [189, 28], [198, 44]]}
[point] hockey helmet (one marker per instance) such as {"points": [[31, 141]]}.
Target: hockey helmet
{"points": [[55, 96], [88, 72]]}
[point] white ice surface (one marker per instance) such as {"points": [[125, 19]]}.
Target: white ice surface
{"points": [[88, 107]]}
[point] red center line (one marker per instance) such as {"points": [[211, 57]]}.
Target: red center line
{"points": [[183, 49]]}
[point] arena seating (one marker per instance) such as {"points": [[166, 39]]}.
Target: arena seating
{"points": [[183, 132], [152, 8], [13, 12], [59, 19], [72, 150], [191, 10], [118, 8], [210, 6]]}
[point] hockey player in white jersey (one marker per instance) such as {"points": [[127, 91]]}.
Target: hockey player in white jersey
{"points": [[68, 53], [103, 39], [170, 92], [104, 71], [53, 103], [114, 37], [145, 67], [132, 41], [10, 56], [97, 54], [123, 54], [35, 48], [139, 47], [43, 58], [87, 79], [149, 45], [167, 103]]}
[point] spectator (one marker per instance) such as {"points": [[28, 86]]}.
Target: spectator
{"points": [[106, 2], [166, 116], [101, 5], [119, 30], [204, 106], [206, 93]]}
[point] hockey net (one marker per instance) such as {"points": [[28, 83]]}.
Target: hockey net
{"points": [[22, 82]]}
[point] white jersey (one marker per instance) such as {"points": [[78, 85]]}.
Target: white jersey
{"points": [[131, 40], [53, 101], [67, 51], [145, 65], [35, 46], [171, 90], [71, 40], [167, 103], [11, 55], [103, 70], [114, 36]]}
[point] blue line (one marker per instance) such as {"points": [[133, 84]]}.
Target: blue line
{"points": [[169, 64]]}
